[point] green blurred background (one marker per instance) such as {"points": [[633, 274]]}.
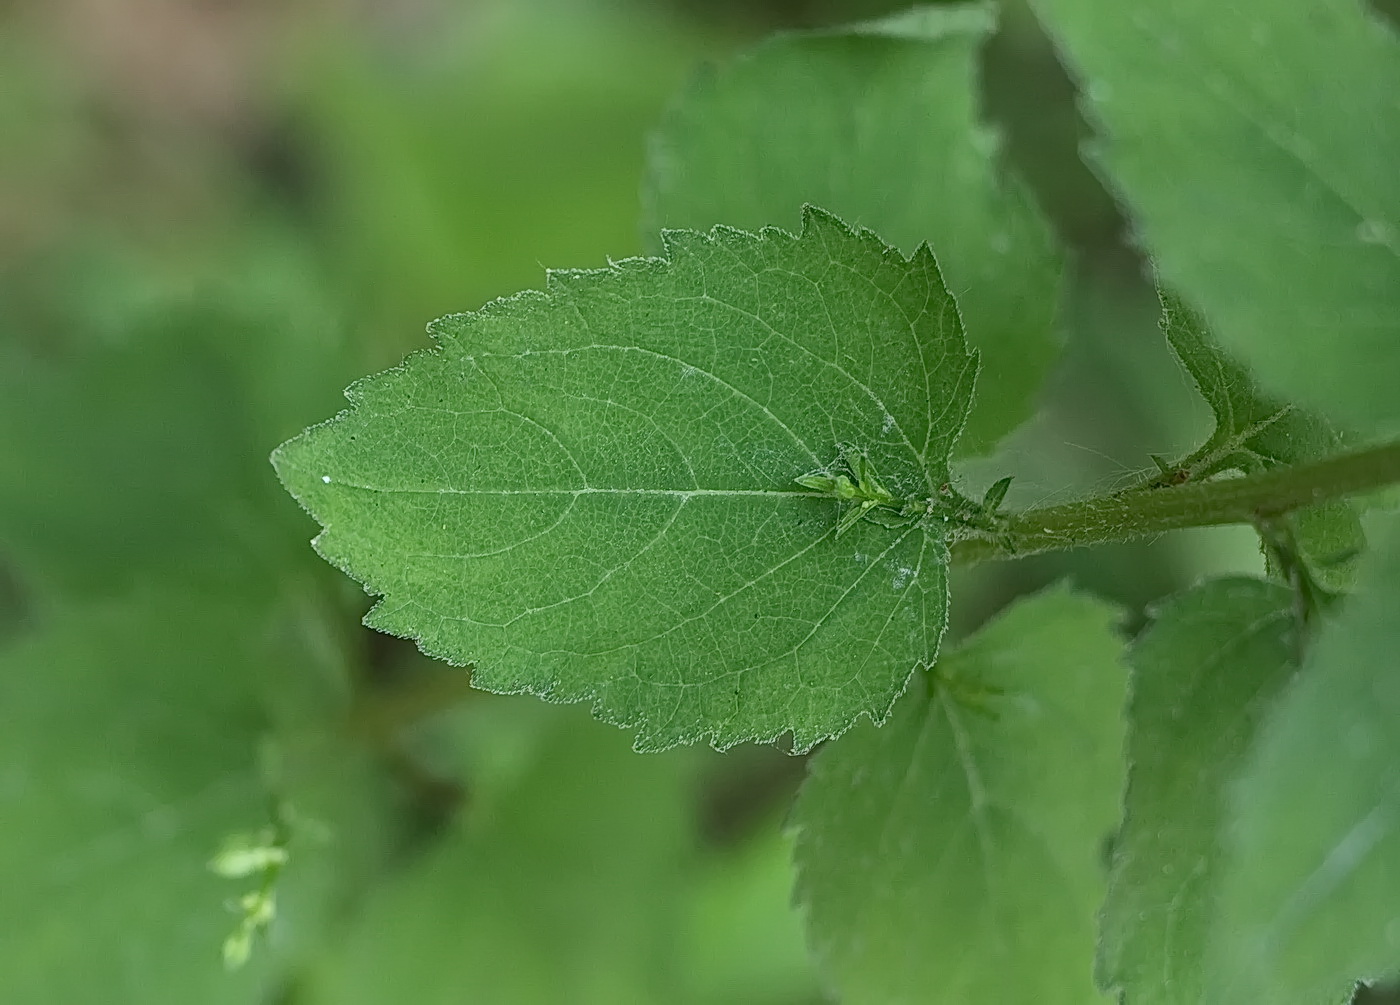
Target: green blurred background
{"points": [[214, 214]]}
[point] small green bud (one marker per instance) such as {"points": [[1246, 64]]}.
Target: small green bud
{"points": [[238, 947], [845, 488], [996, 492], [259, 908], [247, 854]]}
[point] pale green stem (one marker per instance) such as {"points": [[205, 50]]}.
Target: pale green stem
{"points": [[1144, 512]]}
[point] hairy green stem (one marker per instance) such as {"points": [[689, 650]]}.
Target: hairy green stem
{"points": [[1147, 511]]}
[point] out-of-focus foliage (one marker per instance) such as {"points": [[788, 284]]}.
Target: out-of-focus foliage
{"points": [[1256, 146], [860, 122], [1308, 906], [213, 216], [140, 734], [566, 884], [1190, 726], [455, 157]]}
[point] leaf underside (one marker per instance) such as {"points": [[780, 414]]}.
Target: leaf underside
{"points": [[588, 493]]}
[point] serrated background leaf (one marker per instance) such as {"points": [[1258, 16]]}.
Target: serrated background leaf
{"points": [[881, 124], [1204, 674], [941, 857], [1308, 903], [1255, 430], [1256, 144], [589, 494]]}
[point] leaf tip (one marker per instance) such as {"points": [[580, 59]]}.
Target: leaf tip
{"points": [[285, 461]]}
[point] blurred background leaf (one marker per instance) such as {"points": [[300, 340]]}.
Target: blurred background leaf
{"points": [[1256, 149], [215, 215], [1203, 676], [880, 124], [563, 885], [139, 734], [1308, 893]]}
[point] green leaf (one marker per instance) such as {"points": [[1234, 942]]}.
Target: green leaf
{"points": [[1257, 145], [129, 459], [563, 888], [136, 433], [953, 854], [1203, 676], [744, 942], [996, 492], [880, 123], [423, 215], [1308, 903], [1255, 431], [130, 739], [589, 493]]}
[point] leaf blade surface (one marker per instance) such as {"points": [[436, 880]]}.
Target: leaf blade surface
{"points": [[589, 493]]}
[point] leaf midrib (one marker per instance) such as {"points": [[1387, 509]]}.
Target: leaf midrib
{"points": [[682, 494]]}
